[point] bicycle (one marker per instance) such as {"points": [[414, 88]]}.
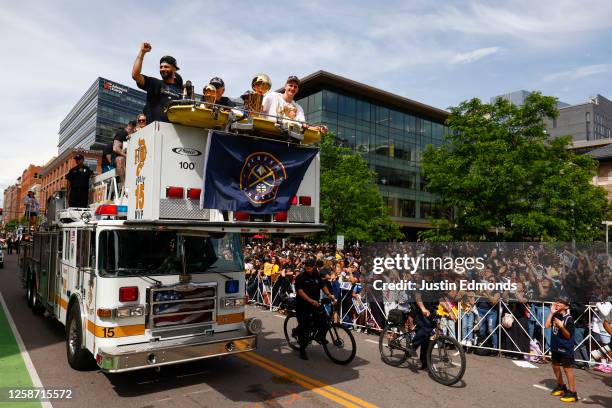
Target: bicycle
{"points": [[395, 346], [339, 344]]}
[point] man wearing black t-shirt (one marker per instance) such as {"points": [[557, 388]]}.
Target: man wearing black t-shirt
{"points": [[159, 92], [308, 286], [220, 87], [78, 183]]}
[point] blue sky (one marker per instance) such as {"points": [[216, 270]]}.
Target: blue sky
{"points": [[438, 53]]}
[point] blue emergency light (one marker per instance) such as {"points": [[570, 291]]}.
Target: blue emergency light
{"points": [[232, 286]]}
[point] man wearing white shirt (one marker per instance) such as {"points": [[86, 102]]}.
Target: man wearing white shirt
{"points": [[278, 104]]}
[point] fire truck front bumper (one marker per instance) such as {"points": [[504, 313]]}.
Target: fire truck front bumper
{"points": [[173, 351]]}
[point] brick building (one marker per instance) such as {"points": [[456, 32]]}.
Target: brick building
{"points": [[11, 202], [54, 172]]}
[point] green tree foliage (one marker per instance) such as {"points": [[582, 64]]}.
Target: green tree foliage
{"points": [[505, 181], [351, 204]]}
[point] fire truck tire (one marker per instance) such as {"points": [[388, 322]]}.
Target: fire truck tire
{"points": [[29, 290], [79, 358], [37, 307]]}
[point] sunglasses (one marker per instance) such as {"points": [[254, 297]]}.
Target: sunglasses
{"points": [[142, 120]]}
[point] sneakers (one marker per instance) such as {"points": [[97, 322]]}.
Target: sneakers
{"points": [[558, 390], [569, 397]]}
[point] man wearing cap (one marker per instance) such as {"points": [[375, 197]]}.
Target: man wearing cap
{"points": [[31, 208], [159, 92], [78, 183], [308, 286], [280, 104], [220, 99]]}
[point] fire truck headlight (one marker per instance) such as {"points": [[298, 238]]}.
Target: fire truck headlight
{"points": [[232, 302], [130, 311]]}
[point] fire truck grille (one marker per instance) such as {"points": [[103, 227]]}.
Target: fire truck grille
{"points": [[182, 210], [301, 214], [182, 305]]}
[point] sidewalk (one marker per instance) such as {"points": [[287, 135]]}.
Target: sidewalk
{"points": [[14, 374]]}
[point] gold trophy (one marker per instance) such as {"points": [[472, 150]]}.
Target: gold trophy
{"points": [[260, 84], [209, 95]]}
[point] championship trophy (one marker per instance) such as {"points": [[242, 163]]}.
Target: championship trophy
{"points": [[209, 95], [260, 84]]}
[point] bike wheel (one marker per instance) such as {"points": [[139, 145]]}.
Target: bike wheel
{"points": [[446, 362], [392, 344], [291, 323], [340, 344]]}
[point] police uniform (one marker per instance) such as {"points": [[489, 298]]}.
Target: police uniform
{"points": [[78, 177], [306, 313]]}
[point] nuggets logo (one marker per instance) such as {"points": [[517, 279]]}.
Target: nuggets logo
{"points": [[261, 176]]}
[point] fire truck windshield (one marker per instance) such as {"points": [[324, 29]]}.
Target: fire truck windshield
{"points": [[140, 252]]}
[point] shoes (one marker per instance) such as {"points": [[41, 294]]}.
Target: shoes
{"points": [[321, 340], [303, 355], [558, 390], [569, 397], [423, 367]]}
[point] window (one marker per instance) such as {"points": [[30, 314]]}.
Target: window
{"points": [[363, 110], [346, 105], [426, 210], [396, 120], [382, 116], [330, 101], [407, 208]]}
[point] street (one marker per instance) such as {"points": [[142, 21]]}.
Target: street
{"points": [[276, 377]]}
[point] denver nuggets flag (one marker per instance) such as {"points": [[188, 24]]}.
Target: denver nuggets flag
{"points": [[252, 175]]}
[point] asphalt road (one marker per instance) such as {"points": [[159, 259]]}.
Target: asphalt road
{"points": [[276, 377]]}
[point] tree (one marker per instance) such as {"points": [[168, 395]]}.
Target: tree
{"points": [[506, 181], [351, 204]]}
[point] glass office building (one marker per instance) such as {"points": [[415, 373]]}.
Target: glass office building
{"points": [[105, 107], [389, 131]]}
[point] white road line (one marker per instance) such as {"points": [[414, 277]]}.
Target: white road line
{"points": [[542, 387], [371, 341], [281, 316], [24, 352]]}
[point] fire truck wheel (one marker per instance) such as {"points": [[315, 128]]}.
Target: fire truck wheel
{"points": [[78, 357], [29, 291], [37, 307]]}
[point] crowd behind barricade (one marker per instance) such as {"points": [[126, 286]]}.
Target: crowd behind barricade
{"points": [[511, 322]]}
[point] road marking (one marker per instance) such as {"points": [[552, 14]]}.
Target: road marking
{"points": [[24, 352], [281, 316], [339, 396], [371, 341]]}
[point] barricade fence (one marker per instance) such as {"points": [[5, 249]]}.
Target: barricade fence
{"points": [[501, 328]]}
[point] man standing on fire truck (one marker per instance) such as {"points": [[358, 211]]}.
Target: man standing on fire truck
{"points": [[159, 92]]}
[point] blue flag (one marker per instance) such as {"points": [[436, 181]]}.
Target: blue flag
{"points": [[252, 175]]}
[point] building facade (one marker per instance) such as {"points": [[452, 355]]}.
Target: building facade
{"points": [[586, 122], [518, 98], [388, 130], [92, 122], [11, 203], [54, 173]]}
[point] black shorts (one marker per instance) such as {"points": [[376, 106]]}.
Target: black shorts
{"points": [[561, 359]]}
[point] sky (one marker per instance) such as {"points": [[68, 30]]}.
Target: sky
{"points": [[438, 53]]}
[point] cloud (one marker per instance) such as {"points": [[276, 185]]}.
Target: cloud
{"points": [[580, 72], [472, 56]]}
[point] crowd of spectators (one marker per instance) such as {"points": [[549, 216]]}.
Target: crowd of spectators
{"points": [[511, 321]]}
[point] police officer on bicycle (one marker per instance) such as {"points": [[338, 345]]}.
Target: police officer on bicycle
{"points": [[308, 286]]}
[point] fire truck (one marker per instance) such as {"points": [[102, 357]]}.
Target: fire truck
{"points": [[146, 277]]}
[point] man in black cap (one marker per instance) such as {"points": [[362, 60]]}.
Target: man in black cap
{"points": [[308, 286], [220, 99], [159, 92], [78, 183]]}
